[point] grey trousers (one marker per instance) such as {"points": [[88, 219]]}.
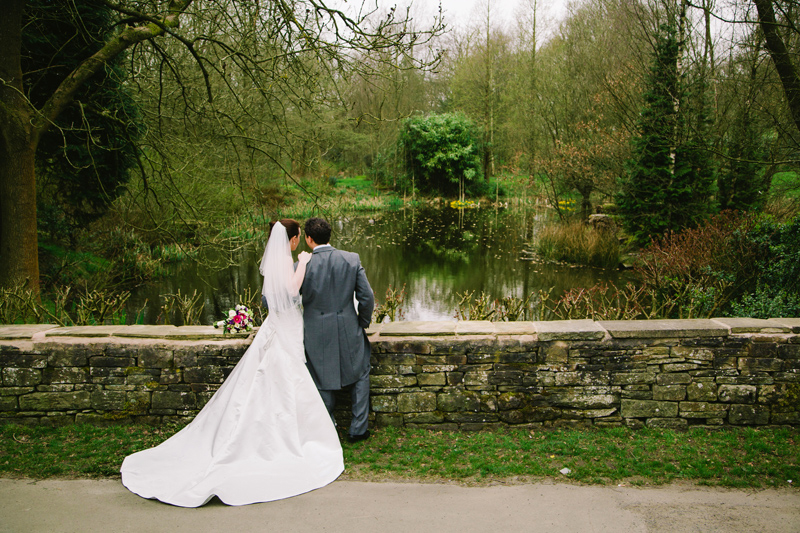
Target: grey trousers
{"points": [[359, 393]]}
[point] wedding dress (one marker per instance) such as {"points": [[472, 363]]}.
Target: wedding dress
{"points": [[265, 434]]}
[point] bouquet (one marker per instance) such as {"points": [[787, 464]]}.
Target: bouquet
{"points": [[239, 319]]}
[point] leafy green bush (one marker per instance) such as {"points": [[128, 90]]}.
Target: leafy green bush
{"points": [[777, 262], [442, 154]]}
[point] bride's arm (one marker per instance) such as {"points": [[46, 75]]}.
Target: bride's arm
{"points": [[300, 271]]}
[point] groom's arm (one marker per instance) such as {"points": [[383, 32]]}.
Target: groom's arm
{"points": [[364, 297]]}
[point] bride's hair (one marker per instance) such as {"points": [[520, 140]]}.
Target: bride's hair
{"points": [[292, 227]]}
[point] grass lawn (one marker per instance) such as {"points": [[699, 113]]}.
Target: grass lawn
{"points": [[768, 457]]}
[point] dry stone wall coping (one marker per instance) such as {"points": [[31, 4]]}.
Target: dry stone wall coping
{"points": [[465, 375]]}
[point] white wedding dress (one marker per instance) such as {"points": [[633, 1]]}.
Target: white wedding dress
{"points": [[265, 435]]}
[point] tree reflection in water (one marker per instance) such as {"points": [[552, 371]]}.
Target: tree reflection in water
{"points": [[436, 252]]}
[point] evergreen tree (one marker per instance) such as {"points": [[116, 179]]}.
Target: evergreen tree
{"points": [[668, 181], [743, 184], [84, 161]]}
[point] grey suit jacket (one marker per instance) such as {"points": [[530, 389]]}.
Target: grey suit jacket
{"points": [[337, 348]]}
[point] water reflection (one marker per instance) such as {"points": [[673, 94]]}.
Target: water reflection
{"points": [[435, 253]]}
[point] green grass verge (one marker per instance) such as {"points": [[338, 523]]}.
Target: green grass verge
{"points": [[768, 457]]}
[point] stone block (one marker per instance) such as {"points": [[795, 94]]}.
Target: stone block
{"points": [[55, 401], [65, 374], [418, 329], [702, 391], [475, 327], [23, 331], [59, 387], [737, 393], [104, 400], [581, 400], [435, 379], [458, 401], [560, 330], [587, 413], [659, 329], [789, 351], [476, 378], [390, 382], [384, 403], [648, 409], [172, 400], [416, 402], [440, 359], [674, 379], [387, 420], [21, 377], [752, 325], [21, 360], [633, 378], [15, 391], [765, 364], [423, 418], [748, 415], [656, 352], [584, 379], [726, 362], [64, 355], [402, 347], [692, 353], [703, 410], [529, 415], [116, 362], [154, 357], [204, 374], [555, 352], [767, 350], [636, 392], [669, 392], [8, 403], [512, 400], [667, 423], [488, 402], [471, 418], [508, 377], [679, 367], [792, 418], [455, 378]]}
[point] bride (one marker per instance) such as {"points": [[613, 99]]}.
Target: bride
{"points": [[265, 434]]}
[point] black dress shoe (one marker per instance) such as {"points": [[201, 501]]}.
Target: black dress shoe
{"points": [[357, 438]]}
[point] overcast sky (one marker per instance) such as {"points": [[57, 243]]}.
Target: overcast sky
{"points": [[459, 12]]}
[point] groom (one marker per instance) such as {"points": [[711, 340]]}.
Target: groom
{"points": [[337, 348]]}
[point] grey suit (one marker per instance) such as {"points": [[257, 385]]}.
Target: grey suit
{"points": [[337, 348]]}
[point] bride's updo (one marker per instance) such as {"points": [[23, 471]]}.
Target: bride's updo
{"points": [[292, 227]]}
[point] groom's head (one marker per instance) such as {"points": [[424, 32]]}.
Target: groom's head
{"points": [[318, 230]]}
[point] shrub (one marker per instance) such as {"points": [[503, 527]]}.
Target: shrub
{"points": [[577, 243]]}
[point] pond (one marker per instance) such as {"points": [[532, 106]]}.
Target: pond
{"points": [[435, 253]]}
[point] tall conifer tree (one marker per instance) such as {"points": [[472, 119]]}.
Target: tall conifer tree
{"points": [[669, 178]]}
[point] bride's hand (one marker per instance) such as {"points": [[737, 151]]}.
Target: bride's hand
{"points": [[303, 258]]}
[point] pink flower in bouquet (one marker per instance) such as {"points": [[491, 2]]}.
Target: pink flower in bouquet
{"points": [[237, 319]]}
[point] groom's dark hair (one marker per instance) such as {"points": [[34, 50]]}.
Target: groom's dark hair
{"points": [[319, 230]]}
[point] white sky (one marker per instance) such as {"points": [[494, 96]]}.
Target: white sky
{"points": [[459, 12]]}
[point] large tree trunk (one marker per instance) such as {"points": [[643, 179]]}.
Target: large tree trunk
{"points": [[780, 56], [21, 126], [18, 239]]}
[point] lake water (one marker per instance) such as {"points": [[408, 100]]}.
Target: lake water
{"points": [[437, 253]]}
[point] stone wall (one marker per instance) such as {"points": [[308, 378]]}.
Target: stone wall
{"points": [[446, 375]]}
